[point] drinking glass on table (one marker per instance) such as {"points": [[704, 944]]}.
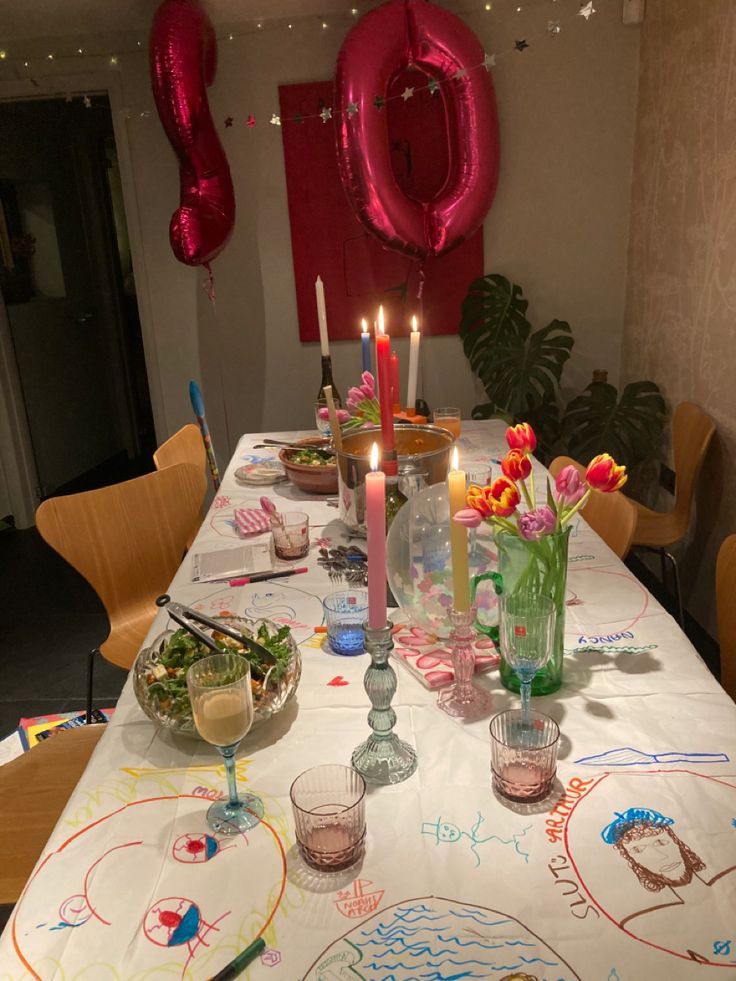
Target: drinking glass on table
{"points": [[527, 627], [222, 706], [448, 417], [329, 816], [291, 535]]}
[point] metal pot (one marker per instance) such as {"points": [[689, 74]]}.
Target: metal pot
{"points": [[424, 459]]}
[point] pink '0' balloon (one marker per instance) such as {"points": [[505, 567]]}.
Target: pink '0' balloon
{"points": [[386, 41]]}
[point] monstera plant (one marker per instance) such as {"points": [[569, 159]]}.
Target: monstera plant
{"points": [[521, 369]]}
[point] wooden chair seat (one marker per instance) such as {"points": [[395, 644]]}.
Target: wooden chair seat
{"points": [[34, 789], [657, 529], [127, 541]]}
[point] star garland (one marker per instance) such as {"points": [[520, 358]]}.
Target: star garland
{"points": [[553, 29]]}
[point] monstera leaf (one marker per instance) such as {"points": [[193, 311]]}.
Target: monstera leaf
{"points": [[520, 368], [629, 427]]}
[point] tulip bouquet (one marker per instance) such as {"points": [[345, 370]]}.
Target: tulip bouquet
{"points": [[532, 543], [499, 501], [363, 408]]}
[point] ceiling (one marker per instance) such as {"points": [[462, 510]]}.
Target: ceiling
{"points": [[60, 18]]}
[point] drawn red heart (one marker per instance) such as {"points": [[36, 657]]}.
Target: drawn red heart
{"points": [[338, 681]]}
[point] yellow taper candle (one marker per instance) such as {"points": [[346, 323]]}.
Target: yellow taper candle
{"points": [[458, 537]]}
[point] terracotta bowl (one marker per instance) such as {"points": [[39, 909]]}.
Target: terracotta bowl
{"points": [[313, 480]]}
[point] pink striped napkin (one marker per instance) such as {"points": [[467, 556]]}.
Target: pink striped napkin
{"points": [[251, 521]]}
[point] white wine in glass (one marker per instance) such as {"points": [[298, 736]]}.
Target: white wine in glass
{"points": [[222, 706]]}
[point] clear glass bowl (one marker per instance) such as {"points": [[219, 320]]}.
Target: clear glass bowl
{"points": [[274, 696]]}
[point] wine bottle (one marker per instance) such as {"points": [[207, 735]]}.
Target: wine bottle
{"points": [[327, 380]]}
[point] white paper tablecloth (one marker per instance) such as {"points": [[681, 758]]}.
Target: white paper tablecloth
{"points": [[455, 884]]}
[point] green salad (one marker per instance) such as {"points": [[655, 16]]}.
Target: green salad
{"points": [[311, 458], [167, 679]]}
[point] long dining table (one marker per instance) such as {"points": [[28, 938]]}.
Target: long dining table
{"points": [[456, 882]]}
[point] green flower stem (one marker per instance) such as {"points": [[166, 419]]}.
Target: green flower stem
{"points": [[574, 510], [525, 492]]}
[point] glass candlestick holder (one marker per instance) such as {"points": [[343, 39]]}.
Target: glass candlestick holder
{"points": [[464, 700], [383, 758]]}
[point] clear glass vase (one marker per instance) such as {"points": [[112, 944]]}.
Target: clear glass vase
{"points": [[536, 567]]}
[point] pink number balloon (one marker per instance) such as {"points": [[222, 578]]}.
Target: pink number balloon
{"points": [[183, 55], [382, 44]]}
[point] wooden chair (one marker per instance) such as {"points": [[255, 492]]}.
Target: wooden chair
{"points": [[612, 516], [186, 446], [725, 599], [34, 789], [127, 541], [656, 531]]}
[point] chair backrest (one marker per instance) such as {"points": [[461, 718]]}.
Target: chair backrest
{"points": [[692, 431], [127, 541], [726, 601], [612, 516], [185, 446]]}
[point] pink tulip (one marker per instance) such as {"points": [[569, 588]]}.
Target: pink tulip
{"points": [[468, 517], [569, 486], [537, 523]]}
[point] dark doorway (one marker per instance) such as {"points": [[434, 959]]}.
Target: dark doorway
{"points": [[67, 281]]}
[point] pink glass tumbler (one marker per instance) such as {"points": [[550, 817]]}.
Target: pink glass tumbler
{"points": [[523, 754], [329, 816]]}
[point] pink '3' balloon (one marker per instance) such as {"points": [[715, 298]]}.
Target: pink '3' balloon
{"points": [[183, 55], [387, 40]]}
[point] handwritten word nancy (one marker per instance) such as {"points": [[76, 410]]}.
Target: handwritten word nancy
{"points": [[559, 864], [607, 639], [555, 823]]}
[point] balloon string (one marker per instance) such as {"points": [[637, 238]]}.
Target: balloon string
{"points": [[209, 284], [420, 289]]}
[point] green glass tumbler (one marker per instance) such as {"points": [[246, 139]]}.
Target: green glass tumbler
{"points": [[536, 567]]}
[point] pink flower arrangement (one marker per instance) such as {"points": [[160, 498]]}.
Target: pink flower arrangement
{"points": [[363, 404], [499, 502]]}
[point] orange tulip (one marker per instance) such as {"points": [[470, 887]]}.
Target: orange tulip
{"points": [[521, 438], [477, 498], [604, 474], [516, 465], [504, 496]]}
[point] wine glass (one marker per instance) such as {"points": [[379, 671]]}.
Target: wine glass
{"points": [[222, 706], [527, 627]]}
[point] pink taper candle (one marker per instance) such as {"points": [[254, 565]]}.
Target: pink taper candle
{"points": [[375, 519]]}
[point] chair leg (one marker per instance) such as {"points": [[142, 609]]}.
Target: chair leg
{"points": [[663, 568], [678, 591], [90, 682]]}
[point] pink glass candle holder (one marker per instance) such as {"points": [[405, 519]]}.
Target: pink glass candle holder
{"points": [[523, 755], [329, 816], [464, 699]]}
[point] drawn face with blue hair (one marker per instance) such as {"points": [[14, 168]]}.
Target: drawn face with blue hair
{"points": [[654, 853]]}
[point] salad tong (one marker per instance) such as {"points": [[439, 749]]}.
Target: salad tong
{"points": [[186, 617]]}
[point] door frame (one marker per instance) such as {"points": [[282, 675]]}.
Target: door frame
{"points": [[16, 456]]}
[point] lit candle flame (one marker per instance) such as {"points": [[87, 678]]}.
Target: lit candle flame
{"points": [[414, 326], [364, 325], [455, 459], [381, 325], [374, 457]]}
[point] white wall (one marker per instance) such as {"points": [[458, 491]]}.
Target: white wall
{"points": [[558, 225]]}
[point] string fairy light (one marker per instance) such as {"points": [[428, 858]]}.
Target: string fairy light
{"points": [[583, 8]]}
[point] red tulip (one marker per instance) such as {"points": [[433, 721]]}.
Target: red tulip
{"points": [[521, 438], [516, 465], [604, 474], [504, 496], [477, 498]]}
